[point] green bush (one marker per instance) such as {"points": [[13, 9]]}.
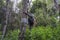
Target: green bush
{"points": [[12, 35], [39, 33], [0, 31], [0, 34], [0, 26]]}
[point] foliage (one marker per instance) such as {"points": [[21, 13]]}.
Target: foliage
{"points": [[46, 20], [44, 15], [39, 33], [0, 31], [12, 35], [45, 33]]}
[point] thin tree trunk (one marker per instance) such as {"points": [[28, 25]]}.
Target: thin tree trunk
{"points": [[56, 4], [23, 20], [6, 20]]}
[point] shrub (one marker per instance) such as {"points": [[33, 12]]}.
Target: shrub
{"points": [[39, 33], [12, 35]]}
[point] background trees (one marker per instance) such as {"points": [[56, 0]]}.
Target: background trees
{"points": [[45, 11]]}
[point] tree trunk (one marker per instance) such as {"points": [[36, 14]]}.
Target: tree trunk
{"points": [[56, 4], [6, 20], [23, 20]]}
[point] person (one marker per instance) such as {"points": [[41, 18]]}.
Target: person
{"points": [[30, 19]]}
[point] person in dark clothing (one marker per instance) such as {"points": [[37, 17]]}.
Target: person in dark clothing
{"points": [[30, 20]]}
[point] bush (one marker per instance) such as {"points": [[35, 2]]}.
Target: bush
{"points": [[0, 26], [0, 34], [12, 35], [39, 33]]}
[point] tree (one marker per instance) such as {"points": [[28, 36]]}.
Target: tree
{"points": [[23, 20], [44, 13], [6, 19]]}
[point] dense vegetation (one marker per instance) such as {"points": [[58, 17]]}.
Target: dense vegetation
{"points": [[39, 33], [47, 21]]}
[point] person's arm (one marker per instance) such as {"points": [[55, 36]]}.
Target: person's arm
{"points": [[26, 14]]}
